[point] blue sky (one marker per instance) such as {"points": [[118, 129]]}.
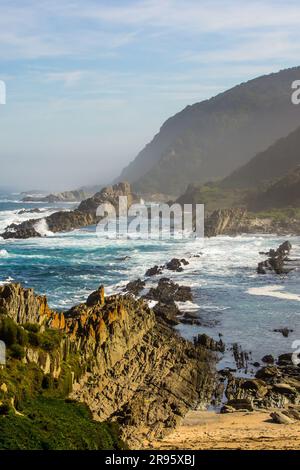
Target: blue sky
{"points": [[90, 82]]}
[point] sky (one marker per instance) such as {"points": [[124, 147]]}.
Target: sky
{"points": [[90, 82]]}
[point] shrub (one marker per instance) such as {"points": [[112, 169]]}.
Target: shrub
{"points": [[8, 331], [17, 351], [33, 327], [34, 339]]}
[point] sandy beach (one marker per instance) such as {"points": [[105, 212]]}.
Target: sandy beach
{"points": [[203, 430]]}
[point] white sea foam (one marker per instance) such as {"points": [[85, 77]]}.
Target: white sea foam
{"points": [[42, 228], [273, 291], [187, 306], [8, 280], [4, 254]]}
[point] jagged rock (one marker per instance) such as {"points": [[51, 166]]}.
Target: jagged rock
{"points": [[280, 418], [225, 222], [258, 386], [267, 372], [96, 297], [167, 312], [135, 287], [284, 331], [292, 414], [284, 359], [208, 343], [167, 291], [22, 305], [241, 357], [268, 359], [154, 271], [176, 264], [276, 261], [130, 367], [285, 389]]}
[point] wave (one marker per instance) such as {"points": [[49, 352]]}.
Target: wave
{"points": [[8, 280], [4, 254], [42, 228], [273, 291]]}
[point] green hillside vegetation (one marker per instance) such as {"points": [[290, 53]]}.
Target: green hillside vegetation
{"points": [[35, 412]]}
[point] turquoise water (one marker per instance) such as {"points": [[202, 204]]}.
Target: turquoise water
{"points": [[246, 307]]}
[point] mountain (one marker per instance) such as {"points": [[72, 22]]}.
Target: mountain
{"points": [[270, 180], [274, 162], [209, 140], [282, 193]]}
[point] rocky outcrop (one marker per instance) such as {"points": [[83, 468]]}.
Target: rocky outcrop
{"points": [[83, 216], [23, 305], [274, 386], [232, 222], [127, 365], [168, 291], [277, 260], [66, 196]]}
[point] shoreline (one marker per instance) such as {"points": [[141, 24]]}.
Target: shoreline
{"points": [[208, 430]]}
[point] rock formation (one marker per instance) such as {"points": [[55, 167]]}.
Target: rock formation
{"points": [[125, 364], [277, 260], [83, 216]]}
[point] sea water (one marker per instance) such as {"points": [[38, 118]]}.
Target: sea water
{"points": [[229, 296]]}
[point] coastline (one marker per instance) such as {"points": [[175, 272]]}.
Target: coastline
{"points": [[207, 430]]}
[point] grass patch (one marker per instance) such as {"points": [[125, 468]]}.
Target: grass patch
{"points": [[56, 424]]}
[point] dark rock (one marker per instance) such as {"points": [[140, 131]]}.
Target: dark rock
{"points": [[209, 343], [241, 357], [284, 331], [167, 291], [167, 312], [135, 287], [85, 215], [285, 359], [267, 372], [96, 297], [268, 359], [276, 261], [174, 265], [155, 270]]}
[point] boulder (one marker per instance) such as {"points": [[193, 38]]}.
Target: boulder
{"points": [[154, 271], [268, 359], [280, 418]]}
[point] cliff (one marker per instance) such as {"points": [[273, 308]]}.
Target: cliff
{"points": [[112, 354]]}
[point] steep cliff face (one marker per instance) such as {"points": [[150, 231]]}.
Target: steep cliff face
{"points": [[237, 221], [119, 359], [83, 216], [22, 305]]}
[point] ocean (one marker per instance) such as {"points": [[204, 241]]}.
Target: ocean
{"points": [[229, 297]]}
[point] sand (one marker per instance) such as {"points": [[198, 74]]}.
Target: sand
{"points": [[249, 431]]}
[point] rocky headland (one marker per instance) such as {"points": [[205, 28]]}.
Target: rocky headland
{"points": [[83, 216], [111, 353]]}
